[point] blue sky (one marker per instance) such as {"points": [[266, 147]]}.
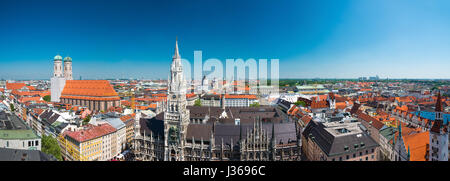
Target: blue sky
{"points": [[135, 39]]}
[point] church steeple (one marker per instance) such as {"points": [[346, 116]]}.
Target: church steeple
{"points": [[438, 102], [176, 54], [176, 116], [438, 135]]}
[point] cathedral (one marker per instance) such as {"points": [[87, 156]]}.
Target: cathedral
{"points": [[59, 77], [203, 133], [96, 95]]}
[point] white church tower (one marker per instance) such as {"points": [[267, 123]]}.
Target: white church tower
{"points": [[57, 68], [438, 135], [68, 68], [176, 116], [57, 81]]}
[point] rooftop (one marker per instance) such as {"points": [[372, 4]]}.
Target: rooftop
{"points": [[7, 154], [334, 139], [88, 88], [10, 121], [90, 132], [342, 129]]}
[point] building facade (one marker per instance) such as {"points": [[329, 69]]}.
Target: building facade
{"points": [[15, 134], [58, 80], [182, 133], [89, 143]]}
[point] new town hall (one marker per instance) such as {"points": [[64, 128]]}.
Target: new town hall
{"points": [[203, 133]]}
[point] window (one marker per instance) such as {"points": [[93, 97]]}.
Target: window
{"points": [[36, 143], [372, 156], [333, 159], [360, 153], [340, 158], [347, 157], [367, 151], [29, 143], [354, 155], [7, 143], [367, 158], [373, 150]]}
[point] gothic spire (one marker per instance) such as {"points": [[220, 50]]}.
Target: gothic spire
{"points": [[438, 102], [176, 55]]}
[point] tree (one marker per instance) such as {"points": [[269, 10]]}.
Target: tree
{"points": [[86, 120], [256, 104], [300, 103], [12, 107], [47, 98], [198, 102], [50, 146]]}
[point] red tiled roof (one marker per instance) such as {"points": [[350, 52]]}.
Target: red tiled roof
{"points": [[319, 104], [152, 99], [306, 119], [341, 105], [365, 90], [26, 99], [159, 95], [89, 90], [12, 86], [418, 145], [90, 132], [94, 88], [152, 106], [371, 120], [128, 117], [240, 96], [190, 95], [447, 103], [31, 88]]}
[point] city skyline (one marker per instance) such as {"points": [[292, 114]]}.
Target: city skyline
{"points": [[115, 40]]}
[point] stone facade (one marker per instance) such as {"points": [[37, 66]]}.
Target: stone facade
{"points": [[212, 133]]}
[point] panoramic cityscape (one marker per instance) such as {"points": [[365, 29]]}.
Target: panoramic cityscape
{"points": [[173, 87]]}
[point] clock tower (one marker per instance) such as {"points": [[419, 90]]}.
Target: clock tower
{"points": [[176, 116]]}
